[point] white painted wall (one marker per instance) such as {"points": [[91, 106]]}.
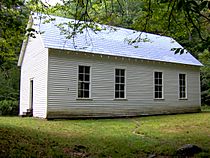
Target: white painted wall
{"points": [[62, 87], [34, 66]]}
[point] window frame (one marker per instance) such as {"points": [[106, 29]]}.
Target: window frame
{"points": [[125, 83], [162, 98], [90, 83], [186, 91]]}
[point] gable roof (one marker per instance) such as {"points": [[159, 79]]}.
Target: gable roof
{"points": [[112, 42]]}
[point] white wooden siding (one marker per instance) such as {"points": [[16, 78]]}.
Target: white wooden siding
{"points": [[34, 66], [62, 90]]}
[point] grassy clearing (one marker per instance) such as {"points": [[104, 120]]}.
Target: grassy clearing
{"points": [[133, 137]]}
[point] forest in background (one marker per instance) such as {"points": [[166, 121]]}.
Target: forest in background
{"points": [[187, 21]]}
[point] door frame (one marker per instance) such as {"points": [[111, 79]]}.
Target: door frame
{"points": [[31, 93]]}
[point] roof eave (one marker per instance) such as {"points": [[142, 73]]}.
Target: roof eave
{"points": [[25, 42], [22, 52], [99, 53]]}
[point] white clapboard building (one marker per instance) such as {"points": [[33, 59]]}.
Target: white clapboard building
{"points": [[102, 75]]}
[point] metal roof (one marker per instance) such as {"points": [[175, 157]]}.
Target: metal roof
{"points": [[113, 41]]}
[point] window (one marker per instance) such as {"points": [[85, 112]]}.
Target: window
{"points": [[182, 86], [158, 85], [84, 82], [119, 83]]}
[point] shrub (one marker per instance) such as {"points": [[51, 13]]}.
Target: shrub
{"points": [[9, 107], [205, 108]]}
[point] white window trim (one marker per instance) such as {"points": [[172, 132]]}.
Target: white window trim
{"points": [[90, 90], [186, 91], [125, 91], [163, 94]]}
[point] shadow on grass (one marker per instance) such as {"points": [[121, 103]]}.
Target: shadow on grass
{"points": [[26, 142]]}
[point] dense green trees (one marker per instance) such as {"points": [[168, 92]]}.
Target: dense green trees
{"points": [[205, 76], [13, 19]]}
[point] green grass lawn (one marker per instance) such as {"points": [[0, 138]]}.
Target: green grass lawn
{"points": [[128, 137]]}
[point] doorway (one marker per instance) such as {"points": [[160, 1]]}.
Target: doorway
{"points": [[31, 94]]}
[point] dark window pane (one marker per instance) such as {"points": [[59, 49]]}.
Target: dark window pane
{"points": [[182, 76], [117, 79], [156, 88], [180, 90], [83, 85], [183, 83], [116, 94], [122, 94], [81, 69], [156, 94], [79, 93], [86, 86], [181, 95], [156, 81], [122, 87], [160, 88], [122, 79], [117, 72], [87, 77], [160, 81], [117, 87], [160, 74], [81, 78], [122, 72], [79, 85], [160, 94], [86, 94], [156, 75], [87, 69]]}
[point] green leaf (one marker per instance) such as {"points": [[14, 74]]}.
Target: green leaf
{"points": [[30, 30], [177, 50], [203, 5], [193, 3], [182, 51], [180, 4]]}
